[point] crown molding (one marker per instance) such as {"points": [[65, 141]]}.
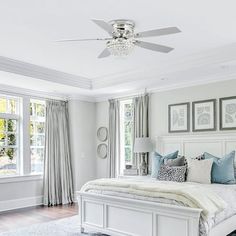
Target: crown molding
{"points": [[217, 56], [11, 90], [166, 87], [43, 73]]}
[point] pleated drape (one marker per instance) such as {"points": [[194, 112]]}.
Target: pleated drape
{"points": [[114, 137], [141, 122], [58, 183]]}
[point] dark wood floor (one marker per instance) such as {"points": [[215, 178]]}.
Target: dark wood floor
{"points": [[28, 216]]}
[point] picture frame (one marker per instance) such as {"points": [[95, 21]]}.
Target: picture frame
{"points": [[204, 115], [179, 117], [227, 113]]}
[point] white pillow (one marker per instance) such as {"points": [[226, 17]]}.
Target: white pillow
{"points": [[199, 171]]}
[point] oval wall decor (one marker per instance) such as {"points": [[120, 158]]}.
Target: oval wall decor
{"points": [[102, 150], [102, 134]]}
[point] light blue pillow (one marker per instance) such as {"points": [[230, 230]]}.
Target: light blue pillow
{"points": [[222, 169], [158, 160]]}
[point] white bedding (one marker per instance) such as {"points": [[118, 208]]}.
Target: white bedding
{"points": [[220, 195]]}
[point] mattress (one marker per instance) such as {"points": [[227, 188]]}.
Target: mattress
{"points": [[226, 192]]}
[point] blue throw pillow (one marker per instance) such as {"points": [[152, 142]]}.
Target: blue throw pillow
{"points": [[158, 160], [222, 169]]}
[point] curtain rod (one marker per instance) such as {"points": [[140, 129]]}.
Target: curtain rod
{"points": [[131, 96]]}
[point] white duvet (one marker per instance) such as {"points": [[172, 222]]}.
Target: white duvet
{"points": [[190, 195]]}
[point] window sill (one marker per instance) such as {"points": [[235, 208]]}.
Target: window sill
{"points": [[20, 178]]}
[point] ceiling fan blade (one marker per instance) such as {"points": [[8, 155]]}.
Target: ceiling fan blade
{"points": [[154, 47], [104, 53], [158, 32], [80, 40], [104, 25]]}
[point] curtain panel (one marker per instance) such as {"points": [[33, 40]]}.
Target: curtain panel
{"points": [[141, 122], [58, 183], [114, 137]]}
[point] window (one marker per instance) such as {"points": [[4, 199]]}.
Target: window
{"points": [[37, 134], [126, 134], [9, 136], [21, 148]]}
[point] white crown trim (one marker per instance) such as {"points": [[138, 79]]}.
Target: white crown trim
{"points": [[43, 73]]}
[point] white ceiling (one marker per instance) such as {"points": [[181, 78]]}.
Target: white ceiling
{"points": [[31, 59]]}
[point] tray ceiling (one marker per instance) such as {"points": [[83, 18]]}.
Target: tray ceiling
{"points": [[204, 51]]}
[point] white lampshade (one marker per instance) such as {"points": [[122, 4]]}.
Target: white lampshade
{"points": [[142, 145]]}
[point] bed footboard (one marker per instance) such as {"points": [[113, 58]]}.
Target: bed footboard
{"points": [[120, 216]]}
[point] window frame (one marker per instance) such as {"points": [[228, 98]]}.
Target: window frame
{"points": [[23, 138], [122, 137], [17, 117], [42, 120]]}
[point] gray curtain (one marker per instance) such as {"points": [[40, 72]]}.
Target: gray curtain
{"points": [[114, 137], [58, 186], [141, 121]]}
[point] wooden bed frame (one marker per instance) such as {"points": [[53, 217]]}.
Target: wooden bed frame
{"points": [[119, 216]]}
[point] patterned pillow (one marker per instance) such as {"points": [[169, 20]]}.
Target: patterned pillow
{"points": [[173, 173]]}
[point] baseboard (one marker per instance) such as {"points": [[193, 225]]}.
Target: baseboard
{"points": [[20, 203]]}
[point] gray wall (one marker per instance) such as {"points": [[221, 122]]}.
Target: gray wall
{"points": [[82, 138], [159, 108]]}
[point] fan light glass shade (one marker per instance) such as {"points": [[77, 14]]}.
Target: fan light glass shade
{"points": [[120, 46], [142, 145]]}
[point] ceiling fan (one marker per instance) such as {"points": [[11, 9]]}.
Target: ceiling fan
{"points": [[123, 39]]}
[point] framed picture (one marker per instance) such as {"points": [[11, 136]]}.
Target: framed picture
{"points": [[228, 113], [178, 115], [204, 115]]}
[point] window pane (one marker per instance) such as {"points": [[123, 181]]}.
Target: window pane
{"points": [[128, 155], [3, 105], [40, 110], [12, 106], [37, 157], [39, 140], [2, 125], [11, 139], [2, 139], [39, 127], [8, 157], [11, 125], [32, 127]]}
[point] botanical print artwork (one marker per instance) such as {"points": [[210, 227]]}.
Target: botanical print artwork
{"points": [[228, 113], [204, 115], [178, 117]]}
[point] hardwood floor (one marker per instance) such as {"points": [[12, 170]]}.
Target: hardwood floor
{"points": [[28, 216]]}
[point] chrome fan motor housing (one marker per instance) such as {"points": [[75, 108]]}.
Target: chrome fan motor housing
{"points": [[122, 28]]}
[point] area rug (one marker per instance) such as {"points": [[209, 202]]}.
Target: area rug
{"points": [[63, 227]]}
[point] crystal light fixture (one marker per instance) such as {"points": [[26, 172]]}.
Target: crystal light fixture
{"points": [[121, 46], [123, 41]]}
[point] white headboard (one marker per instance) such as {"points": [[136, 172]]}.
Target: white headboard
{"points": [[194, 145]]}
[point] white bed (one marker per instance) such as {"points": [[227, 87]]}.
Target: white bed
{"points": [[120, 215]]}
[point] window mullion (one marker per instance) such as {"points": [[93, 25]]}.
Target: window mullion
{"points": [[25, 137]]}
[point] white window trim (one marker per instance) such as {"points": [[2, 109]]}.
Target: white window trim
{"points": [[20, 178]]}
